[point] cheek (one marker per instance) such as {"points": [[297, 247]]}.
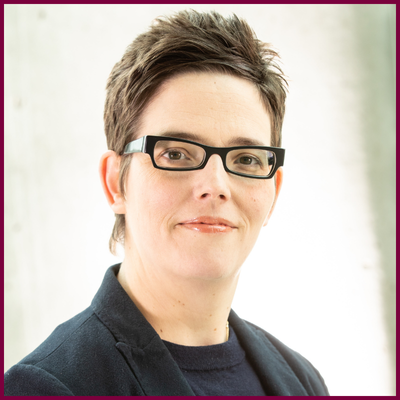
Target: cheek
{"points": [[153, 197], [160, 200], [259, 202]]}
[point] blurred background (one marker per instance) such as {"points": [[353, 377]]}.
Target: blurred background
{"points": [[322, 275]]}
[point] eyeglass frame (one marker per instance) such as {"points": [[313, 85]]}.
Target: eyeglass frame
{"points": [[146, 144]]}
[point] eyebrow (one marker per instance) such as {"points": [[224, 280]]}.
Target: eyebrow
{"points": [[182, 135], [234, 141], [244, 141]]}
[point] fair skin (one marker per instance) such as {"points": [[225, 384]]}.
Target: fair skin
{"points": [[183, 276]]}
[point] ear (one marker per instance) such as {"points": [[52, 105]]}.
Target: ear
{"points": [[278, 185], [109, 176]]}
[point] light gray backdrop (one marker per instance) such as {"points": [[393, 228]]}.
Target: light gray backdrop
{"points": [[321, 276]]}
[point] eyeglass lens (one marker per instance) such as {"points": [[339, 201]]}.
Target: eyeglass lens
{"points": [[174, 154]]}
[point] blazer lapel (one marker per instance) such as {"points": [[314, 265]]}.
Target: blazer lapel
{"points": [[155, 370], [142, 348], [276, 376]]}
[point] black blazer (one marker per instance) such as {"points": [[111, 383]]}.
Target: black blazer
{"points": [[111, 349]]}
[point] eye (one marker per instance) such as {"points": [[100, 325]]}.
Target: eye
{"points": [[175, 155], [246, 160]]}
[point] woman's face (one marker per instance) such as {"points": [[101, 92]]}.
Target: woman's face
{"points": [[199, 224]]}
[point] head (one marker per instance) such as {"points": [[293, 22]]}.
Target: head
{"points": [[188, 42]]}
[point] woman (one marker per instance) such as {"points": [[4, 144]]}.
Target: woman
{"points": [[193, 121]]}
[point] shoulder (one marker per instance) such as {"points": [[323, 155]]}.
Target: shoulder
{"points": [[73, 360], [67, 339], [29, 380], [292, 357], [286, 352], [261, 345]]}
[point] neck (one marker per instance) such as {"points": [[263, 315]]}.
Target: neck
{"points": [[187, 311]]}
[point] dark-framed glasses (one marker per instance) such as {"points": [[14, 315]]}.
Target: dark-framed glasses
{"points": [[173, 154]]}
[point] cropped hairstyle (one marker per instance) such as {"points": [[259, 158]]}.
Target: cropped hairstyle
{"points": [[188, 41]]}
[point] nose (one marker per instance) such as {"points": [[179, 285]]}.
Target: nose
{"points": [[212, 182]]}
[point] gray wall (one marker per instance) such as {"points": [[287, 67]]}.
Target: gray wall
{"points": [[321, 277]]}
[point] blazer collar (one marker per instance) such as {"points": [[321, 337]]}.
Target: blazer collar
{"points": [[274, 372], [140, 345]]}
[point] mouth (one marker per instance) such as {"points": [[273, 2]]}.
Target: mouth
{"points": [[209, 225]]}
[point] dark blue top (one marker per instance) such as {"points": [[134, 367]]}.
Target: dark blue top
{"points": [[217, 370]]}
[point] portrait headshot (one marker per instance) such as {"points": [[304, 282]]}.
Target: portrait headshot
{"points": [[199, 200]]}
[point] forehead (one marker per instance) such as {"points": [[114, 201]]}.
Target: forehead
{"points": [[215, 109]]}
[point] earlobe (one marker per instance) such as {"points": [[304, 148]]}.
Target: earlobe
{"points": [[278, 185], [109, 177]]}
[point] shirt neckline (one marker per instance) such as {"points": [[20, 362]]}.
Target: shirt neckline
{"points": [[206, 358]]}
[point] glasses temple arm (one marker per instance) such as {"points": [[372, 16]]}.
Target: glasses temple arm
{"points": [[137, 146]]}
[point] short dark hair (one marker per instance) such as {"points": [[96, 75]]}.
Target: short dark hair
{"points": [[188, 41]]}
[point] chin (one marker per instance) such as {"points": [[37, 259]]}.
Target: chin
{"points": [[207, 268]]}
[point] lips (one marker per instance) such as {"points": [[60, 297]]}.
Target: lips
{"points": [[209, 225]]}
